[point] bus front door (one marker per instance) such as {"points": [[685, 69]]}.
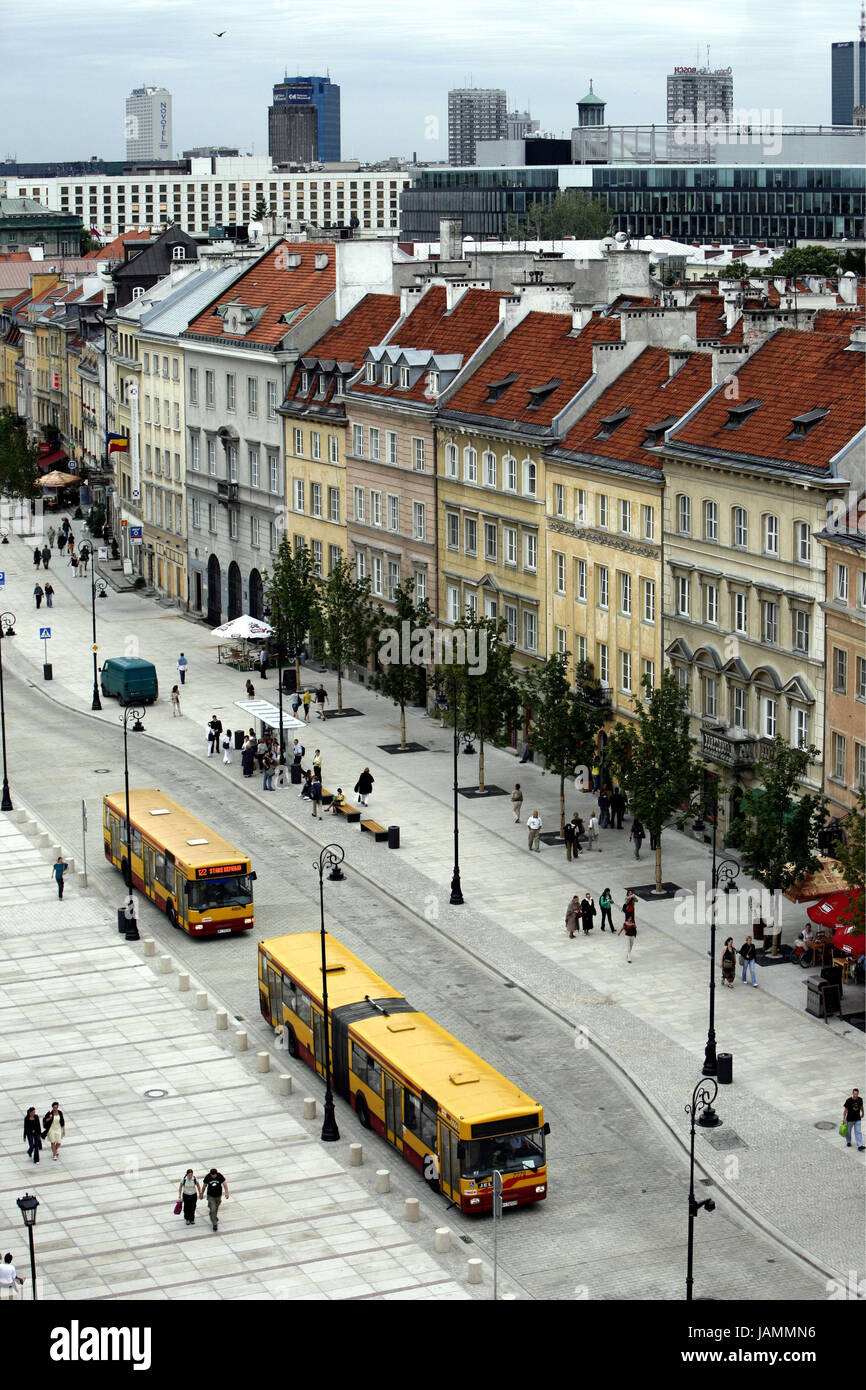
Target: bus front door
{"points": [[116, 840], [319, 1041], [449, 1163], [393, 1112], [181, 906], [148, 870]]}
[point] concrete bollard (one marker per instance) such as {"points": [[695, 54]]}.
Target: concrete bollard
{"points": [[285, 1084], [413, 1206], [165, 965], [263, 1061], [509, 1298], [149, 946], [356, 1155], [309, 1108], [474, 1272], [81, 878], [442, 1239], [383, 1180], [222, 1020], [240, 1042], [201, 1000], [183, 983]]}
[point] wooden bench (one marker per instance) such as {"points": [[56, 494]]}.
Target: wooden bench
{"points": [[379, 832], [352, 813]]}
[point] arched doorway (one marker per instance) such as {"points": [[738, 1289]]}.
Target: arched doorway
{"points": [[257, 597], [214, 592], [235, 591]]}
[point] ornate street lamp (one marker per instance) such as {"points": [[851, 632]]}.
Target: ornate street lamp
{"points": [[456, 898], [724, 873], [331, 858], [7, 629], [28, 1206], [701, 1109], [98, 589], [135, 714]]}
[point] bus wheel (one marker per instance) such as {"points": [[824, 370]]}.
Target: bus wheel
{"points": [[291, 1042], [171, 914], [361, 1109]]}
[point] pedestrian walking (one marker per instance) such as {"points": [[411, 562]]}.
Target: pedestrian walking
{"points": [[73, 561], [46, 557], [307, 697], [517, 802], [592, 831], [572, 917], [636, 834], [534, 825], [266, 766], [852, 1116], [215, 1188], [617, 808], [263, 663], [251, 690], [297, 751], [37, 557], [248, 757], [595, 773], [182, 668], [322, 699], [49, 595], [526, 756], [70, 542], [316, 794], [569, 834], [211, 734], [52, 532], [603, 810], [54, 1128], [748, 952], [364, 786], [605, 902], [83, 558], [729, 963], [10, 1282], [587, 912], [227, 747], [33, 1133], [175, 702], [296, 704], [58, 868], [629, 926], [38, 594], [262, 751], [62, 538], [188, 1193]]}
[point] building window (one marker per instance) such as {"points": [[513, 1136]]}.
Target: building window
{"points": [[145, 363], [393, 579], [299, 494], [740, 527], [489, 462], [404, 378], [417, 454], [450, 460], [558, 499], [273, 536], [602, 509], [211, 517], [649, 601], [580, 582], [470, 465], [861, 678], [254, 531], [370, 373], [801, 630], [335, 555], [316, 499], [196, 513], [304, 385], [252, 396], [299, 443], [683, 596], [649, 671], [470, 535], [361, 565], [358, 503], [625, 594], [711, 521], [391, 446], [453, 603], [393, 512], [840, 670], [649, 523], [560, 572], [358, 440], [840, 757], [374, 442], [580, 505], [561, 640], [193, 385], [333, 448], [603, 663], [377, 575], [274, 479], [194, 444], [625, 516], [603, 586], [420, 586], [530, 551], [738, 707], [802, 542], [316, 553], [711, 603], [452, 530], [375, 507], [800, 728], [861, 588], [419, 521], [711, 697], [272, 400], [580, 648], [490, 540], [530, 630], [230, 391], [771, 535], [211, 457], [625, 671], [840, 587], [741, 613], [684, 515], [509, 473], [860, 765], [769, 717], [530, 478], [771, 623], [387, 374], [315, 444], [233, 463]]}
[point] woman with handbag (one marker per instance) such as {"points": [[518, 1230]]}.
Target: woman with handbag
{"points": [[629, 926], [605, 902], [729, 963], [188, 1194]]}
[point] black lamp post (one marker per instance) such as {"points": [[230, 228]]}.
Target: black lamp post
{"points": [[134, 713], [724, 873], [331, 857], [700, 1111], [28, 1206], [456, 898], [7, 629], [98, 589]]}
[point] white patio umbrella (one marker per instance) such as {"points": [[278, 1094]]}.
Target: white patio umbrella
{"points": [[242, 629]]}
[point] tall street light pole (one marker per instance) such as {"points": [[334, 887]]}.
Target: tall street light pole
{"points": [[331, 857], [28, 1206], [456, 898], [702, 1109], [725, 872], [7, 629], [98, 589], [134, 713]]}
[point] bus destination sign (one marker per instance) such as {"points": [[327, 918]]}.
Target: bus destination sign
{"points": [[220, 870]]}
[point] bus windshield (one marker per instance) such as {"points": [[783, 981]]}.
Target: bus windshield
{"points": [[510, 1153], [234, 891]]}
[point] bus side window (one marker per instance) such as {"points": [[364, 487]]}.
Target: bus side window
{"points": [[428, 1127], [412, 1112], [289, 994], [366, 1068], [302, 1007]]}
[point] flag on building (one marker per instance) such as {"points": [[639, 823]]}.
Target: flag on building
{"points": [[117, 443]]}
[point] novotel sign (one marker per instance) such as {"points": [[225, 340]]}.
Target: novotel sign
{"points": [[715, 72]]}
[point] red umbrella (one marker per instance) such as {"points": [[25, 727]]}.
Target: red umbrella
{"points": [[827, 911]]}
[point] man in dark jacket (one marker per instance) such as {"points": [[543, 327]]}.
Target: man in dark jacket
{"points": [[364, 786], [617, 808], [748, 953], [587, 912], [603, 810]]}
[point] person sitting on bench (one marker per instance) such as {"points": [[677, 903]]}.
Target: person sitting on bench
{"points": [[337, 801]]}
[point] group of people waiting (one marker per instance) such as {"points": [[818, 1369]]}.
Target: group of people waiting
{"points": [[581, 913]]}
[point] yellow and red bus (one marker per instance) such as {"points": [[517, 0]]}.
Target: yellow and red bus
{"points": [[449, 1113], [201, 882]]}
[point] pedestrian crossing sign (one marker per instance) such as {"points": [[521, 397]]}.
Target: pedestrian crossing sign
{"points": [[44, 634]]}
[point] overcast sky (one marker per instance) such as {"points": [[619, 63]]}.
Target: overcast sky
{"points": [[69, 64]]}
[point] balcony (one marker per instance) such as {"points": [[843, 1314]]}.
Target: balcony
{"points": [[227, 492]]}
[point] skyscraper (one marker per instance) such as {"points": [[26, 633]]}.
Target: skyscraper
{"points": [[148, 124], [695, 92], [474, 113], [848, 76], [304, 121]]}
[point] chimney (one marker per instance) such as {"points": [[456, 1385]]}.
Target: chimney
{"points": [[450, 239], [580, 318], [858, 335], [454, 292], [848, 287], [322, 259], [781, 283], [726, 359], [676, 360], [409, 296], [732, 308], [511, 311]]}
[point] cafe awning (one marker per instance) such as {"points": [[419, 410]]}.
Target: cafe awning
{"points": [[270, 714], [824, 881], [828, 910]]}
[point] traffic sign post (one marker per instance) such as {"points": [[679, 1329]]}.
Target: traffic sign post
{"points": [[47, 669]]}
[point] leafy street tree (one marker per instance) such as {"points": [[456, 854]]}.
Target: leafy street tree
{"points": [[776, 831], [852, 857], [293, 598], [485, 681], [652, 758], [18, 468], [573, 213], [564, 720], [399, 679], [807, 260], [343, 619]]}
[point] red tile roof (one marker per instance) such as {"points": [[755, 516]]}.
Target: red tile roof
{"points": [[710, 311], [542, 348], [838, 321], [347, 341], [113, 250], [648, 391], [272, 286], [790, 374]]}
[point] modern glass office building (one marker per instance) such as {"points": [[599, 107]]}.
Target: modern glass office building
{"points": [[310, 103], [483, 199], [848, 79]]}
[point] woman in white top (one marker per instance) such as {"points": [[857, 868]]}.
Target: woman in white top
{"points": [[189, 1192]]}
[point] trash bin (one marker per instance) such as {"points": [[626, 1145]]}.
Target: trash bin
{"points": [[822, 997], [47, 671], [240, 738], [758, 929], [393, 837], [725, 1068], [125, 923], [290, 681], [296, 773]]}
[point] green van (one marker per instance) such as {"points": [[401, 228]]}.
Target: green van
{"points": [[130, 679]]}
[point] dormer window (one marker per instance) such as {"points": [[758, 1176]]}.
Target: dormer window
{"points": [[655, 434], [739, 414], [433, 383], [387, 375], [321, 384], [804, 423], [404, 378], [305, 383], [341, 386], [370, 373], [497, 388], [612, 422], [178, 253], [539, 394]]}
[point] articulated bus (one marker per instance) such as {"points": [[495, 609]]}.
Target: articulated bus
{"points": [[451, 1115], [201, 882]]}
